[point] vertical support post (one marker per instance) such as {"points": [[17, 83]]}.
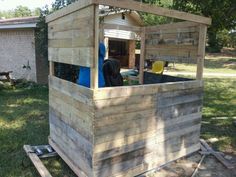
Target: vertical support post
{"points": [[201, 51], [101, 33], [106, 43], [51, 68], [142, 55], [132, 46], [94, 69]]}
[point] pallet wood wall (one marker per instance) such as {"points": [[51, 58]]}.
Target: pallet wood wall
{"points": [[177, 42], [71, 122], [71, 38], [124, 131], [137, 129]]}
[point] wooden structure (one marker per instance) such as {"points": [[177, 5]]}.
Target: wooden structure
{"points": [[124, 131]]}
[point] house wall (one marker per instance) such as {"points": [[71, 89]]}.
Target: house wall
{"points": [[17, 48], [120, 34]]}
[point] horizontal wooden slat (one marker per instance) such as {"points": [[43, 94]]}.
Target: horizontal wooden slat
{"points": [[77, 92], [77, 170], [150, 161], [153, 9], [69, 9], [121, 27], [71, 142], [120, 140], [76, 56], [71, 38], [143, 142], [171, 27], [126, 91], [161, 148]]}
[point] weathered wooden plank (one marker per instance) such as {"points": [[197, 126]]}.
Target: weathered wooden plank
{"points": [[95, 69], [142, 56], [71, 138], [126, 91], [201, 51], [150, 160], [80, 93], [171, 27], [42, 170], [141, 143], [161, 148], [69, 9], [71, 38], [120, 140], [153, 9], [122, 27], [81, 56], [51, 68], [71, 142], [124, 109], [81, 122], [138, 128], [65, 157]]}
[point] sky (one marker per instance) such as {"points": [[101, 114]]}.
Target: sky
{"points": [[32, 4]]}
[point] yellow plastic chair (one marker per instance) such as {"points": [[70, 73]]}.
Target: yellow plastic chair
{"points": [[158, 67]]}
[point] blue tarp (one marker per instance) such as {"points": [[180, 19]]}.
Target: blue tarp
{"points": [[84, 72]]}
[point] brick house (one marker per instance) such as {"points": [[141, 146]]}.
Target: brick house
{"points": [[17, 50]]}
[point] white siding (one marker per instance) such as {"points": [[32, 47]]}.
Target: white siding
{"points": [[17, 48], [120, 34]]}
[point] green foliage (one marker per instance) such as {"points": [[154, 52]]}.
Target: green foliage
{"points": [[22, 11], [58, 4], [223, 14], [150, 19], [41, 34]]}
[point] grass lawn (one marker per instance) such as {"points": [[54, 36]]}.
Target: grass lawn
{"points": [[24, 120], [213, 64]]}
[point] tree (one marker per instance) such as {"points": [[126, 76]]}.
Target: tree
{"points": [[22, 11], [41, 34], [58, 4], [223, 14]]}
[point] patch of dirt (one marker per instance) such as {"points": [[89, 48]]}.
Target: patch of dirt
{"points": [[185, 167]]}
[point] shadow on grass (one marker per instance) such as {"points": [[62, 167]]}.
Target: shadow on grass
{"points": [[227, 63], [219, 113], [24, 120]]}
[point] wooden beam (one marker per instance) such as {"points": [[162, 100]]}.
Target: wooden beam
{"points": [[132, 46], [176, 25], [69, 9], [217, 155], [153, 9], [201, 51], [106, 43], [51, 68], [94, 70], [142, 56], [122, 27], [37, 162]]}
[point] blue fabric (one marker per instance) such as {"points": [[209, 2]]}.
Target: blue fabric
{"points": [[84, 72]]}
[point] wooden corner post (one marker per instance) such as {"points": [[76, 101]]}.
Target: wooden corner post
{"points": [[201, 51], [142, 55], [94, 69], [51, 68]]}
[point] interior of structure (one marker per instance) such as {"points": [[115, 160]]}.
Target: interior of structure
{"points": [[139, 54]]}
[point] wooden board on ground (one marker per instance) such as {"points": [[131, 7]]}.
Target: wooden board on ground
{"points": [[42, 170]]}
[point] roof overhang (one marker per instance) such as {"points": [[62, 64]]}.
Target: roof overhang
{"points": [[18, 26]]}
